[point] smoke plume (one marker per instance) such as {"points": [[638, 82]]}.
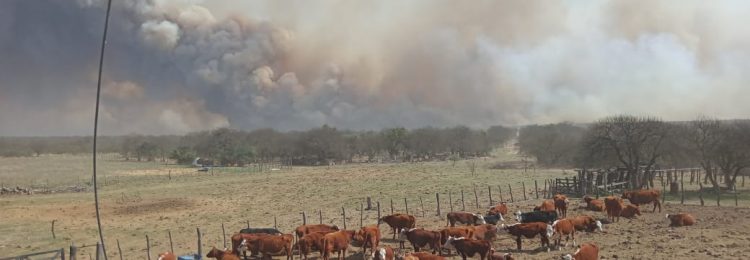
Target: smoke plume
{"points": [[187, 65]]}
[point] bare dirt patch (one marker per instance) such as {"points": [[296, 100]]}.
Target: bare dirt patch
{"points": [[160, 205]]}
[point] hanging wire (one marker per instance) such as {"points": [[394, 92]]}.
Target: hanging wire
{"points": [[96, 128]]}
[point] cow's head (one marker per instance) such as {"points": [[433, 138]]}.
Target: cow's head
{"points": [[627, 195], [637, 210], [243, 245], [519, 216], [449, 242], [567, 257], [404, 232], [215, 253], [379, 254], [479, 219], [334, 227], [507, 256], [550, 231], [587, 199], [599, 225]]}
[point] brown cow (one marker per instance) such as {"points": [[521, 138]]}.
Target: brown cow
{"points": [[307, 229], [547, 205], [485, 232], [222, 255], [630, 211], [237, 242], [419, 238], [424, 256], [593, 204], [682, 219], [167, 256], [336, 242], [368, 236], [530, 230], [564, 227], [469, 247], [561, 204], [455, 232], [383, 253], [309, 243], [399, 222], [586, 223], [640, 197], [501, 209], [506, 256], [614, 208], [464, 218], [587, 251], [271, 245]]}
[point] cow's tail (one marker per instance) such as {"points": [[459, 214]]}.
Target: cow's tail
{"points": [[324, 249]]}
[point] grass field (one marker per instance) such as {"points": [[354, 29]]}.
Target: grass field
{"points": [[140, 199]]}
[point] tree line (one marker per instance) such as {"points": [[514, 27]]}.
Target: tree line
{"points": [[639, 144]]}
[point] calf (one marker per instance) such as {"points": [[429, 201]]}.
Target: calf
{"points": [[593, 204], [588, 251], [469, 247], [455, 232], [271, 231], [399, 222], [501, 209], [630, 211], [485, 232], [614, 208], [464, 218], [167, 256], [682, 219], [309, 243], [506, 256], [547, 205], [307, 229], [493, 219], [368, 236], [336, 242], [419, 238], [586, 223], [383, 253], [639, 197], [423, 256], [222, 255], [536, 216], [561, 204], [272, 245], [564, 227], [530, 230]]}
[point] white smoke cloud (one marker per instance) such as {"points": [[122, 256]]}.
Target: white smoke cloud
{"points": [[163, 34]]}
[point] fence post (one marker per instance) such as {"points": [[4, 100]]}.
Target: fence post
{"points": [[463, 205], [320, 216], [406, 206], [74, 251], [148, 248], [361, 215], [200, 247], [524, 190], [735, 195], [304, 218], [343, 212], [171, 245], [378, 213], [700, 191], [544, 192], [510, 191], [274, 222], [391, 206], [224, 235], [421, 205], [663, 192], [53, 229], [119, 249], [369, 203], [99, 251], [500, 191], [476, 197], [437, 200], [489, 194], [450, 201], [248, 223], [718, 196], [682, 187], [62, 253]]}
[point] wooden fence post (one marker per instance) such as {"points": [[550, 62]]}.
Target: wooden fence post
{"points": [[171, 245], [119, 249], [500, 191], [248, 223], [406, 206], [510, 191], [74, 252], [663, 192], [718, 196], [224, 235], [320, 216], [544, 192], [476, 197], [200, 246], [463, 205], [524, 190], [53, 229], [391, 206], [274, 221], [682, 187], [378, 213], [304, 218], [421, 205], [450, 201], [361, 215], [369, 203], [489, 194], [148, 248], [700, 190], [343, 212], [536, 189]]}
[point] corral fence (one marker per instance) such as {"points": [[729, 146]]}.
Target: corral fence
{"points": [[46, 255]]}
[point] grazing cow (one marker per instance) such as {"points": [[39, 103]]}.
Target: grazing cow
{"points": [[561, 204], [536, 216], [336, 242], [399, 222], [464, 218], [167, 256], [455, 232], [506, 256], [682, 219], [368, 236], [423, 256], [272, 245], [501, 209], [530, 230], [271, 231], [222, 255], [485, 232], [309, 243], [593, 204], [587, 251], [419, 238], [237, 241], [469, 247], [493, 219], [586, 223], [307, 229], [383, 253], [564, 227], [547, 205], [630, 211], [614, 208], [642, 197]]}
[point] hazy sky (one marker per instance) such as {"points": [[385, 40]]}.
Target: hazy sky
{"points": [[180, 66]]}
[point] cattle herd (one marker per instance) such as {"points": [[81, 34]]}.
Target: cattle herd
{"points": [[473, 238]]}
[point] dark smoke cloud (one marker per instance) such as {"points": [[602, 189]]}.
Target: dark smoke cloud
{"points": [[179, 66]]}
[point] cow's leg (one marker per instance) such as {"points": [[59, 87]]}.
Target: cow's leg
{"points": [[518, 242]]}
